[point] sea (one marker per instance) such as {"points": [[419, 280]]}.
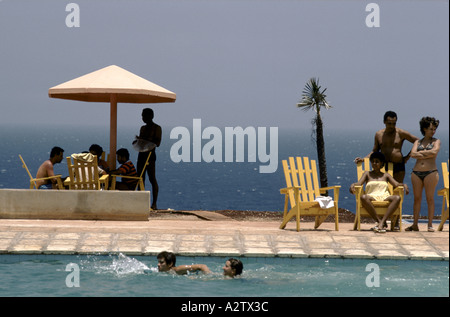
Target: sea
{"points": [[202, 185]]}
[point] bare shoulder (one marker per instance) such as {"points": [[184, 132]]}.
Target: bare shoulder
{"points": [[46, 164], [406, 135], [380, 132]]}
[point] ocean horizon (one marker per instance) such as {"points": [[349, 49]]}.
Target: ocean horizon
{"points": [[201, 185]]}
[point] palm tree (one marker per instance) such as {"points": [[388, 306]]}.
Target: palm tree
{"points": [[313, 98]]}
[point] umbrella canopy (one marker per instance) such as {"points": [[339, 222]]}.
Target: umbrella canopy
{"points": [[112, 84]]}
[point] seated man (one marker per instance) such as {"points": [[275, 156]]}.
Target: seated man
{"points": [[97, 150], [127, 169], [167, 260], [46, 169]]}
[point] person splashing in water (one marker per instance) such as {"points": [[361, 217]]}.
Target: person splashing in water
{"points": [[167, 261]]}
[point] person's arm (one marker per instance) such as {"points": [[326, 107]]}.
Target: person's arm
{"points": [[376, 148], [158, 136], [184, 269], [426, 154], [361, 182], [120, 171], [394, 183], [50, 171], [411, 138], [408, 136]]}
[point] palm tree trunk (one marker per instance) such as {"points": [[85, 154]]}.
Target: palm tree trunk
{"points": [[320, 145]]}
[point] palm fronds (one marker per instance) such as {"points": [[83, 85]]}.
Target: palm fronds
{"points": [[312, 97]]}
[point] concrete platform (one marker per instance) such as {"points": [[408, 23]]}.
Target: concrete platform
{"points": [[193, 236], [74, 204]]}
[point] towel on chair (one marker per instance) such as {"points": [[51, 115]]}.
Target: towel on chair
{"points": [[84, 157], [325, 202]]}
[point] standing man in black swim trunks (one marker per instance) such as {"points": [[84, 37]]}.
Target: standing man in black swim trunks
{"points": [[389, 141], [149, 132]]}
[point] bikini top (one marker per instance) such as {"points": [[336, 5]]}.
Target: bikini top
{"points": [[422, 148]]}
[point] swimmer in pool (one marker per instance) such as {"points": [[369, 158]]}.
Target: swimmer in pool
{"points": [[233, 267], [167, 260]]}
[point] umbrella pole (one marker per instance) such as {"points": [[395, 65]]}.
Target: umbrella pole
{"points": [[113, 132]]}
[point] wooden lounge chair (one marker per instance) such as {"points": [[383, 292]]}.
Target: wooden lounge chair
{"points": [[33, 180], [302, 189], [444, 193], [140, 179], [84, 174], [380, 206]]}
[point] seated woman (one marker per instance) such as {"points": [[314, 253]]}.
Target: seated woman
{"points": [[377, 190]]}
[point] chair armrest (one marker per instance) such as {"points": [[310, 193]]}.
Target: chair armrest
{"points": [[126, 176], [400, 190], [358, 192], [287, 189], [57, 177], [323, 189], [46, 178], [334, 188]]}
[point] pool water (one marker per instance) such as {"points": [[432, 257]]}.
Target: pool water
{"points": [[121, 275]]}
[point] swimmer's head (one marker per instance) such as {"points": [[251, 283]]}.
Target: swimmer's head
{"points": [[166, 260], [233, 267]]}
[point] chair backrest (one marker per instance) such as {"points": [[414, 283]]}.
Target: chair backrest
{"points": [[28, 171], [303, 175], [83, 175], [445, 173], [361, 168]]}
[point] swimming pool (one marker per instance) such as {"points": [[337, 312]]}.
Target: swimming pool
{"points": [[121, 275]]}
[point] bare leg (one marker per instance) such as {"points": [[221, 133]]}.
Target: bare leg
{"points": [[399, 177], [366, 201], [394, 202], [430, 182], [155, 188], [417, 189]]}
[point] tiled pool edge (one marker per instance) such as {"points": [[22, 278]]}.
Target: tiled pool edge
{"points": [[222, 239]]}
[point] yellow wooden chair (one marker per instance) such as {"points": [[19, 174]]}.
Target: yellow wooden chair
{"points": [[84, 174], [140, 178], [302, 189], [380, 206], [444, 193], [33, 180]]}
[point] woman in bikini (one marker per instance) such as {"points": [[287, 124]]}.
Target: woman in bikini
{"points": [[377, 190], [425, 173]]}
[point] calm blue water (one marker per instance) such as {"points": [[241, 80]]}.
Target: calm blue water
{"points": [[120, 275], [206, 186]]}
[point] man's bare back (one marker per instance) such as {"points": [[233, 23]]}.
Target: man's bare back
{"points": [[45, 170]]}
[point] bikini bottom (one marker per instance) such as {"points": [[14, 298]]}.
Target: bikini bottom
{"points": [[423, 174]]}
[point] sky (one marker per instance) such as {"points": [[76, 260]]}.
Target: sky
{"points": [[231, 63]]}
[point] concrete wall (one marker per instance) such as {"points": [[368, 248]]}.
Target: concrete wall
{"points": [[74, 204]]}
